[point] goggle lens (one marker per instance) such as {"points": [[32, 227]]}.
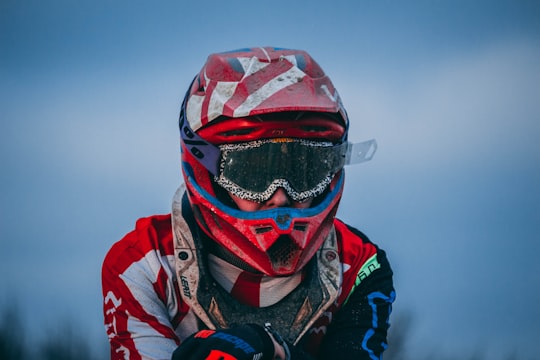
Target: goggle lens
{"points": [[254, 170]]}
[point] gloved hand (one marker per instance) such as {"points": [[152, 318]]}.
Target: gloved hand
{"points": [[244, 342]]}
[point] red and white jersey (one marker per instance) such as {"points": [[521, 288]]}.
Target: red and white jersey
{"points": [[145, 317]]}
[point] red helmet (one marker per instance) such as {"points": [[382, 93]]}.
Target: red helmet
{"points": [[264, 103]]}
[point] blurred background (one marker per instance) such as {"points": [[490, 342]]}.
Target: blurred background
{"points": [[89, 99]]}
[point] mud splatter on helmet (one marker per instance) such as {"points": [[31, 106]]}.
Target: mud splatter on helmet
{"points": [[253, 106]]}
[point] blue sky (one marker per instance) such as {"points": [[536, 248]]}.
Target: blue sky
{"points": [[90, 92]]}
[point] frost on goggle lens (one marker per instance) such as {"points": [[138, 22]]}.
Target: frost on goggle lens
{"points": [[255, 170]]}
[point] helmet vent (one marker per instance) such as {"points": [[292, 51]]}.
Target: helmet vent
{"points": [[284, 252], [263, 229], [237, 132], [312, 129], [300, 227]]}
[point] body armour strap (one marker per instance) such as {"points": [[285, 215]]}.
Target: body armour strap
{"points": [[216, 308]]}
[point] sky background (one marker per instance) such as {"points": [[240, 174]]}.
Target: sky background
{"points": [[89, 99]]}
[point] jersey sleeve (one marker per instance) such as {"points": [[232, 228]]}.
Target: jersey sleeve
{"points": [[138, 290], [359, 328]]}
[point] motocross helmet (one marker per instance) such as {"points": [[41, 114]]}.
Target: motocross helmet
{"points": [[254, 120]]}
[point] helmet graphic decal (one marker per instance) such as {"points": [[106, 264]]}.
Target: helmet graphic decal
{"points": [[260, 81]]}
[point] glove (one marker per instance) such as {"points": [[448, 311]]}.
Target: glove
{"points": [[244, 342]]}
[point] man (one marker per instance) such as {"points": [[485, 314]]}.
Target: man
{"points": [[252, 263]]}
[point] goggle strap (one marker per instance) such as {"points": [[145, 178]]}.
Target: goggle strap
{"points": [[206, 153], [360, 152]]}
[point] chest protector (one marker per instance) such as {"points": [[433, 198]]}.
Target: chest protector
{"points": [[218, 309]]}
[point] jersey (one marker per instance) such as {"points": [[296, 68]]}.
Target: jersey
{"points": [[146, 318]]}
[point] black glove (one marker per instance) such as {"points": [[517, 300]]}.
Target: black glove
{"points": [[244, 342]]}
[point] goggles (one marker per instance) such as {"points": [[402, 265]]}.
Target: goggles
{"points": [[255, 170]]}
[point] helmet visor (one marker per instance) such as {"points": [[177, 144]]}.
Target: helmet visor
{"points": [[255, 170]]}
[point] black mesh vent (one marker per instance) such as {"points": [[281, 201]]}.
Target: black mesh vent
{"points": [[283, 252]]}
